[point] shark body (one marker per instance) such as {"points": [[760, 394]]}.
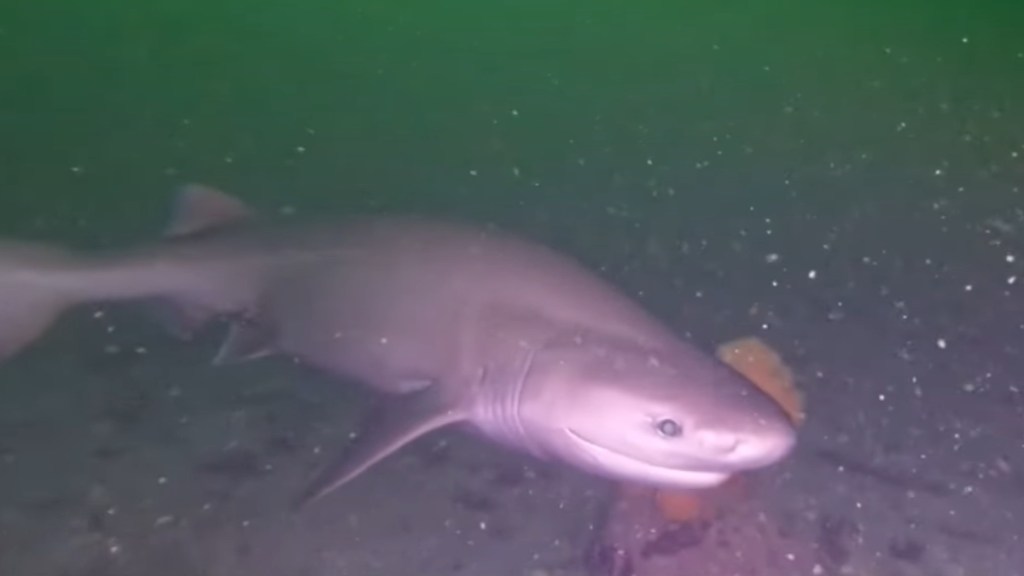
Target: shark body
{"points": [[460, 324]]}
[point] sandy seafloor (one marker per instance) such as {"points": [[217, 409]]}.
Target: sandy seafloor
{"points": [[125, 453]]}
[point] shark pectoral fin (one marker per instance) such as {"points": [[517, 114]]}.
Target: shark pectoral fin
{"points": [[246, 340], [200, 208], [398, 422], [181, 319]]}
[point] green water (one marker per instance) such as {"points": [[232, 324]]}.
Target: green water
{"points": [[499, 110]]}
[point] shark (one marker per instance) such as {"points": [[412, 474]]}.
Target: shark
{"points": [[453, 323]]}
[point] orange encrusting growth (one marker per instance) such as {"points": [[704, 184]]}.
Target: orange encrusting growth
{"points": [[762, 366], [685, 506]]}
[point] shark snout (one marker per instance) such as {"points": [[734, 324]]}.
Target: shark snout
{"points": [[718, 442], [745, 451]]}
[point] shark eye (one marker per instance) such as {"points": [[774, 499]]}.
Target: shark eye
{"points": [[669, 428]]}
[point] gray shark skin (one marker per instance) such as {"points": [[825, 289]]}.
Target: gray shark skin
{"points": [[459, 324]]}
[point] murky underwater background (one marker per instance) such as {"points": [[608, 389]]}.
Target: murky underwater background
{"points": [[843, 180]]}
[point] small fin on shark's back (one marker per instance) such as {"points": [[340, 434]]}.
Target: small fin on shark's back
{"points": [[197, 208], [398, 423], [201, 208]]}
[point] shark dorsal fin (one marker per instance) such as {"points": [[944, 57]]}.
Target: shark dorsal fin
{"points": [[200, 208]]}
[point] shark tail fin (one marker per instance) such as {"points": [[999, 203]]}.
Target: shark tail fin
{"points": [[30, 300]]}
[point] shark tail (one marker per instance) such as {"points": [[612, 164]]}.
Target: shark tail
{"points": [[38, 282], [30, 299]]}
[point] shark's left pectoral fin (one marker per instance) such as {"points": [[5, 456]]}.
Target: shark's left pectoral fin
{"points": [[398, 422], [246, 340]]}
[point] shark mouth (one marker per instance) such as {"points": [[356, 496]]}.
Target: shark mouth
{"points": [[612, 462]]}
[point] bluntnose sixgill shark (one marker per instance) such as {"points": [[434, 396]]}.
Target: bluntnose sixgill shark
{"points": [[461, 324]]}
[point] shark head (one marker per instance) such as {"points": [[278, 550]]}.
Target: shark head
{"points": [[675, 418]]}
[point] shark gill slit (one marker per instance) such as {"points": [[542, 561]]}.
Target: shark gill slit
{"points": [[516, 396], [504, 414]]}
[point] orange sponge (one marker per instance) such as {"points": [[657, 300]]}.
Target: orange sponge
{"points": [[764, 367]]}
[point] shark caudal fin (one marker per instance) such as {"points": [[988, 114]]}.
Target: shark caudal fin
{"points": [[38, 282], [29, 299]]}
